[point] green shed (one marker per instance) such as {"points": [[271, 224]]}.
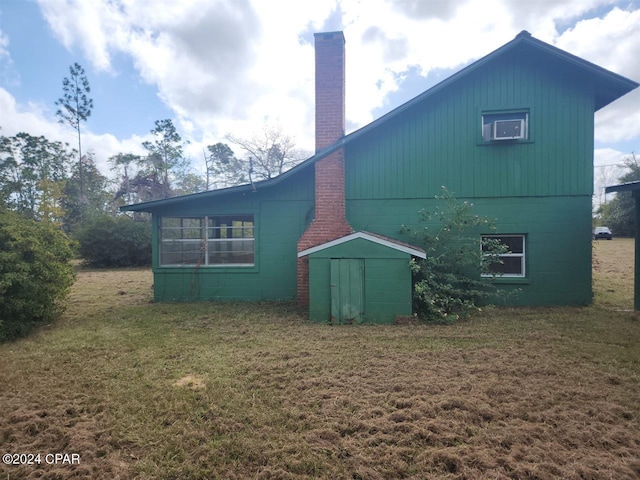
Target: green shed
{"points": [[361, 277]]}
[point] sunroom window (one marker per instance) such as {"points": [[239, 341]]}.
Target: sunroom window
{"points": [[512, 262], [211, 240]]}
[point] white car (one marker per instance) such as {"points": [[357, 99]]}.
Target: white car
{"points": [[602, 232]]}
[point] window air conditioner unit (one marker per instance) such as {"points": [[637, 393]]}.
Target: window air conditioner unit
{"points": [[508, 129]]}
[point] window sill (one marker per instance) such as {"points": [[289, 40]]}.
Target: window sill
{"points": [[499, 143], [207, 268], [510, 280]]}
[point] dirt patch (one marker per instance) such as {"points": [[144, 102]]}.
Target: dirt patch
{"points": [[72, 427], [190, 381]]}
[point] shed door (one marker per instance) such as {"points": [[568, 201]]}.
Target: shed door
{"points": [[347, 290]]}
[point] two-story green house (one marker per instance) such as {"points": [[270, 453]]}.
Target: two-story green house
{"points": [[511, 132]]}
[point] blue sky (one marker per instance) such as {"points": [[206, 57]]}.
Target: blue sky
{"points": [[220, 67], [124, 105]]}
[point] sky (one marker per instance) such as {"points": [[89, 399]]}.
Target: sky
{"points": [[219, 67]]}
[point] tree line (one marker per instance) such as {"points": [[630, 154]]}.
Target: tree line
{"points": [[55, 203], [48, 180]]}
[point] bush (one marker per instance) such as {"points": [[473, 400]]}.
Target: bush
{"points": [[35, 273], [115, 242], [448, 283]]}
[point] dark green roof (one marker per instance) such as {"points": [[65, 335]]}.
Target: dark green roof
{"points": [[608, 86], [624, 187]]}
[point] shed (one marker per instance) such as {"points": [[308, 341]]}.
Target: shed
{"points": [[361, 277], [634, 188]]}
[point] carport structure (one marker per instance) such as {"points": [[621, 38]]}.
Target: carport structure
{"points": [[634, 188]]}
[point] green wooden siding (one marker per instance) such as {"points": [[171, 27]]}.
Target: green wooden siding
{"points": [[540, 188], [557, 230], [386, 282], [438, 142], [281, 216]]}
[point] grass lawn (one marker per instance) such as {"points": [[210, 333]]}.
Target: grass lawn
{"points": [[200, 391]]}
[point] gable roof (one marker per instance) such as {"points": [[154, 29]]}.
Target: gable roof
{"points": [[371, 237], [609, 86]]}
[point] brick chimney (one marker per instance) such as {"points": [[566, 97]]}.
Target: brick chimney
{"points": [[330, 220]]}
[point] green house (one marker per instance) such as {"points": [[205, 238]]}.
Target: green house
{"points": [[513, 133]]}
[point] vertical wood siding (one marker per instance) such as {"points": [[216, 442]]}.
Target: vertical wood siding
{"points": [[281, 214], [438, 142], [540, 188], [387, 281]]}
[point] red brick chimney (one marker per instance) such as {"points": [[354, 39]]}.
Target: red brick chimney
{"points": [[330, 216]]}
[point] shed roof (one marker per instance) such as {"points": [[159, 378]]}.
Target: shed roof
{"points": [[608, 86], [624, 187], [371, 237]]}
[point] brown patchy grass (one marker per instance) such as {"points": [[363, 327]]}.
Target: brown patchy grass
{"points": [[613, 273], [174, 391]]}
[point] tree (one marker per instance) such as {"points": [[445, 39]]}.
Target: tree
{"points": [[51, 201], [270, 153], [32, 175], [125, 165], [96, 199], [75, 107], [449, 282], [165, 162], [618, 214], [223, 168], [115, 242], [605, 175], [35, 273], [189, 183]]}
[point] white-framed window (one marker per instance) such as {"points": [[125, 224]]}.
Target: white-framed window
{"points": [[512, 262], [501, 126], [210, 240]]}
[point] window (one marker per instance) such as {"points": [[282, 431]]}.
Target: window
{"points": [[512, 263], [508, 125], [213, 240]]}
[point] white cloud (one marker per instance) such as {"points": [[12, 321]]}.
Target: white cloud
{"points": [[28, 118], [229, 66], [4, 43], [609, 157], [619, 120], [88, 25], [613, 42], [33, 118], [8, 73], [215, 63], [428, 36]]}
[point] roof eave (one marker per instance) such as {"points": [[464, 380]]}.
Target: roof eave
{"points": [[624, 187], [370, 237], [619, 86], [249, 187], [154, 204]]}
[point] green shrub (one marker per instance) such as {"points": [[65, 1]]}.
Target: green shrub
{"points": [[35, 273], [448, 283], [115, 242]]}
